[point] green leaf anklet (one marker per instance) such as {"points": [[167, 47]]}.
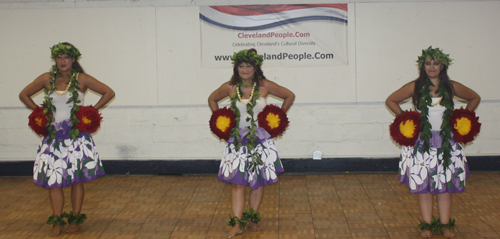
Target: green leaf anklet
{"points": [[56, 220], [233, 220], [251, 215], [78, 219], [450, 225], [436, 225]]}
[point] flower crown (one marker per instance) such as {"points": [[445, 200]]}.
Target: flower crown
{"points": [[434, 53], [245, 56], [60, 48]]}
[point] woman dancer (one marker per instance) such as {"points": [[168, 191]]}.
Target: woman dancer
{"points": [[432, 166], [258, 164], [66, 157]]}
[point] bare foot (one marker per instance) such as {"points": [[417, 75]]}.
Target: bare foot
{"points": [[73, 227], [56, 230], [254, 227], [234, 231], [426, 234], [448, 233]]}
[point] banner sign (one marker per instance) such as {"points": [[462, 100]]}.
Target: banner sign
{"points": [[284, 35]]}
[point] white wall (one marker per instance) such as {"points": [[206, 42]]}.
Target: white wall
{"points": [[149, 53]]}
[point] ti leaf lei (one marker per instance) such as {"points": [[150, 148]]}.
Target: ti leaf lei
{"points": [[252, 141], [73, 89], [425, 127]]}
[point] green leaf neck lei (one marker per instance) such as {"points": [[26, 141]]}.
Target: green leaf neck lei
{"points": [[73, 89], [252, 140], [424, 103]]}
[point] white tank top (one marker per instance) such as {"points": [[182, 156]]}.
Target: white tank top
{"points": [[436, 115], [63, 110], [260, 103]]}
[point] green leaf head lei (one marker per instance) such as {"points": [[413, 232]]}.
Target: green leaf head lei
{"points": [[425, 101], [68, 49], [64, 48], [247, 56], [434, 53]]}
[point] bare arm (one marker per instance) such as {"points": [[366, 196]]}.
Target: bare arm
{"points": [[222, 92], [38, 84], [466, 93], [398, 96], [281, 92], [89, 82]]}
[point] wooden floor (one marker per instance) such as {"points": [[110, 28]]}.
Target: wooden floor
{"points": [[298, 206]]}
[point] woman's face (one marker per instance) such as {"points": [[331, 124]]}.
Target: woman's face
{"points": [[246, 70], [433, 67], [64, 62]]}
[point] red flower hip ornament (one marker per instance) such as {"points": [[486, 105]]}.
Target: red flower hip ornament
{"points": [[89, 119], [464, 125], [274, 120], [405, 128], [222, 122], [38, 121]]}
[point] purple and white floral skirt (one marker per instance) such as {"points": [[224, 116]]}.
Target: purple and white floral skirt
{"points": [[235, 165], [424, 172], [64, 162]]}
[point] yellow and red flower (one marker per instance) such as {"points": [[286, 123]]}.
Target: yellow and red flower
{"points": [[38, 121], [274, 120], [464, 125], [405, 128], [90, 119], [221, 122]]}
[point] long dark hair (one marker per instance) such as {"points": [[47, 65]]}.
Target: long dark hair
{"points": [[258, 75], [443, 76]]}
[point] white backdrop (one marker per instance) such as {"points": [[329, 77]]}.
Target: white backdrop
{"points": [[149, 53]]}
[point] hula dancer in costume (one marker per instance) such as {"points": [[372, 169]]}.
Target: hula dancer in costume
{"points": [[66, 156], [436, 163], [251, 158]]}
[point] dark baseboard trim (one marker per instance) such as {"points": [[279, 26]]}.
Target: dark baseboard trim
{"points": [[179, 167]]}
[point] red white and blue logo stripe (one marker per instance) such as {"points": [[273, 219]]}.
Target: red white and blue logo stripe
{"points": [[261, 17]]}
